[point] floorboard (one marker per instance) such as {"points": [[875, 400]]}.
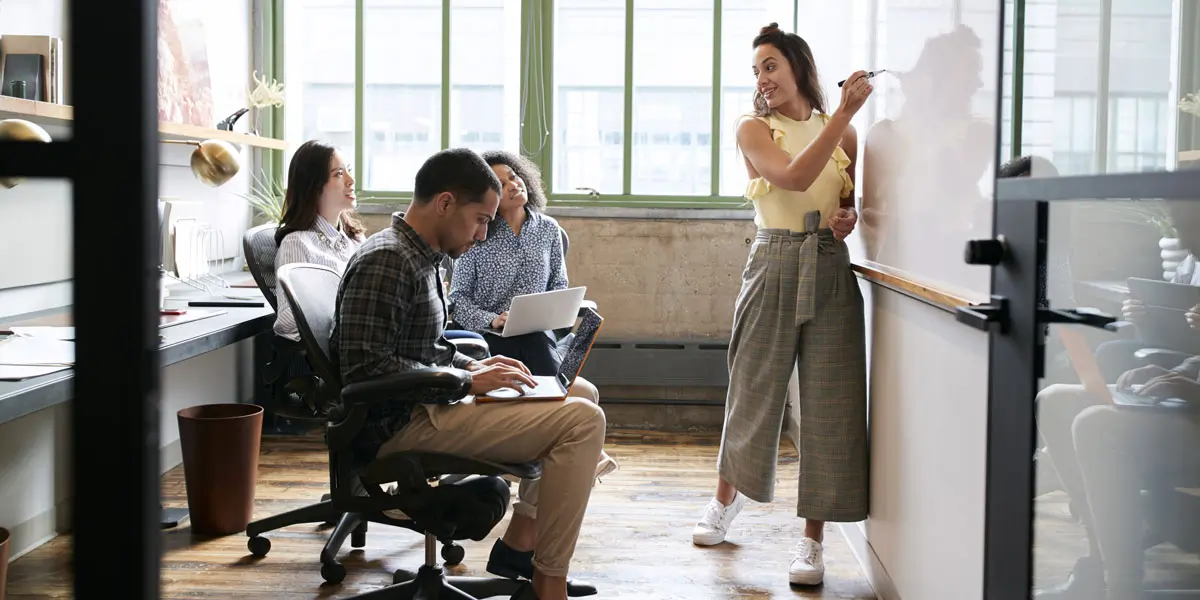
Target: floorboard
{"points": [[636, 540]]}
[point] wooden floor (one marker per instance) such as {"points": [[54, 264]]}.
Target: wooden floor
{"points": [[636, 540]]}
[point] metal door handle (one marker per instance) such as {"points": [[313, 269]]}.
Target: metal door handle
{"points": [[984, 317], [1078, 316]]}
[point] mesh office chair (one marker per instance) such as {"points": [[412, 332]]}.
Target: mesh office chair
{"points": [[287, 363], [466, 509]]}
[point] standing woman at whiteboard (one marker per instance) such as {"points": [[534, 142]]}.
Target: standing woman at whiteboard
{"points": [[799, 306]]}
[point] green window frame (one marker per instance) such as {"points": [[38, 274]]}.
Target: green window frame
{"points": [[539, 108]]}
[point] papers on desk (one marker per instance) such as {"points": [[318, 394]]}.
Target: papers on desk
{"points": [[25, 357], [56, 333], [18, 372]]}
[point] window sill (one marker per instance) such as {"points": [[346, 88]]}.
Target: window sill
{"points": [[601, 212]]}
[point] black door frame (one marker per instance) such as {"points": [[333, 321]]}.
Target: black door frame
{"points": [[1021, 221], [112, 163]]}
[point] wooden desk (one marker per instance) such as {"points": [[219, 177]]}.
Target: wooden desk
{"points": [[179, 343]]}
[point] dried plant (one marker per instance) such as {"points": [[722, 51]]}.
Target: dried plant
{"points": [[1190, 104], [266, 93]]}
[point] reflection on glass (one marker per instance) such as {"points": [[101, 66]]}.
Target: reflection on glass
{"points": [[589, 96], [1106, 84], [1118, 464], [319, 74], [927, 164], [402, 98]]}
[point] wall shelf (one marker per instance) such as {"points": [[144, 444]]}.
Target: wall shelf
{"points": [[46, 113]]}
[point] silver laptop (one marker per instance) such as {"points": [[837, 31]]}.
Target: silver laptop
{"points": [[545, 311], [559, 386]]}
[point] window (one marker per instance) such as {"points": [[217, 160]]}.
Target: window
{"points": [[589, 97], [402, 98], [320, 73], [485, 74], [672, 97]]}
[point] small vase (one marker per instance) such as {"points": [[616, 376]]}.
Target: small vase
{"points": [[1172, 254]]}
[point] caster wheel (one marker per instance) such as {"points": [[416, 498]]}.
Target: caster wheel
{"points": [[326, 497], [402, 576], [358, 540], [259, 546], [453, 554], [333, 572]]}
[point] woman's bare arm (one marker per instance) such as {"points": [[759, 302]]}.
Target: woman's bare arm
{"points": [[850, 147], [772, 163]]}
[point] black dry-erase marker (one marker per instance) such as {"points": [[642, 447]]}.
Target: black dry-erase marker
{"points": [[869, 75]]}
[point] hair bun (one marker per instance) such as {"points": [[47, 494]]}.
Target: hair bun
{"points": [[772, 28]]}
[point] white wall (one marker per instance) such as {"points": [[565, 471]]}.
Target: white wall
{"points": [[34, 455]]}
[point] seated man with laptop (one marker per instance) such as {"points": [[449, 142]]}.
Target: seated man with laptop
{"points": [[390, 319]]}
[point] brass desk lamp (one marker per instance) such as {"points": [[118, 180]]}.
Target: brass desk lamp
{"points": [[20, 130], [214, 162]]}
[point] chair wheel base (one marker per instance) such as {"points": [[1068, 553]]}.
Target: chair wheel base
{"points": [[333, 572], [453, 554], [259, 546]]}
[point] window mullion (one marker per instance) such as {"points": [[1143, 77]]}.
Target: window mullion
{"points": [[628, 137], [275, 121], [445, 74], [715, 137], [359, 42]]}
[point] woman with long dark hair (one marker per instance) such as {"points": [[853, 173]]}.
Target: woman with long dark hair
{"points": [[319, 224], [799, 306]]}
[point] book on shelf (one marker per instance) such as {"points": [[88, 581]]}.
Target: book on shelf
{"points": [[38, 61]]}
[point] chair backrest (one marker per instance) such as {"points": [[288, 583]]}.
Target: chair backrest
{"points": [[566, 240], [311, 291], [258, 244]]}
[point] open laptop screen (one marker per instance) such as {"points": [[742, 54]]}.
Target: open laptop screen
{"points": [[585, 336]]}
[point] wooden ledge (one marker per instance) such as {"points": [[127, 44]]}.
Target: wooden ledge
{"points": [[46, 113], [882, 277]]}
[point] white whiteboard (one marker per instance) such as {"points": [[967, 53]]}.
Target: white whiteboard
{"points": [[927, 138]]}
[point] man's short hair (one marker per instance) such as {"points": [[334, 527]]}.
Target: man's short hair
{"points": [[460, 171]]}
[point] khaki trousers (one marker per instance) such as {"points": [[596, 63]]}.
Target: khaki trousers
{"points": [[566, 436]]}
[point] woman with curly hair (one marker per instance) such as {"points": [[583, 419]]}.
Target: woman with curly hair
{"points": [[523, 254]]}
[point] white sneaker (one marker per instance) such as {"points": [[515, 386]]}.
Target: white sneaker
{"points": [[715, 523], [808, 568], [605, 466]]}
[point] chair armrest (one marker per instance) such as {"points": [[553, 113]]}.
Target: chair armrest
{"points": [[474, 348], [1162, 357], [386, 387]]}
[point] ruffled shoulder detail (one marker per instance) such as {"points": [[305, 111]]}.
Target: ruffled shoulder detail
{"points": [[842, 161], [759, 186]]}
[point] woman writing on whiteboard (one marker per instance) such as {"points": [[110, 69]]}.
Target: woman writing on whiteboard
{"points": [[799, 306]]}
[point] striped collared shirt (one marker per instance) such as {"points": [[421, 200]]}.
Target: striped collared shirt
{"points": [[321, 244]]}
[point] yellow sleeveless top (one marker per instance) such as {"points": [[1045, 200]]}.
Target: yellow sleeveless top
{"points": [[777, 208]]}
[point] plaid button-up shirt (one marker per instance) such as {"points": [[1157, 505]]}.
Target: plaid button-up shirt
{"points": [[391, 316]]}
